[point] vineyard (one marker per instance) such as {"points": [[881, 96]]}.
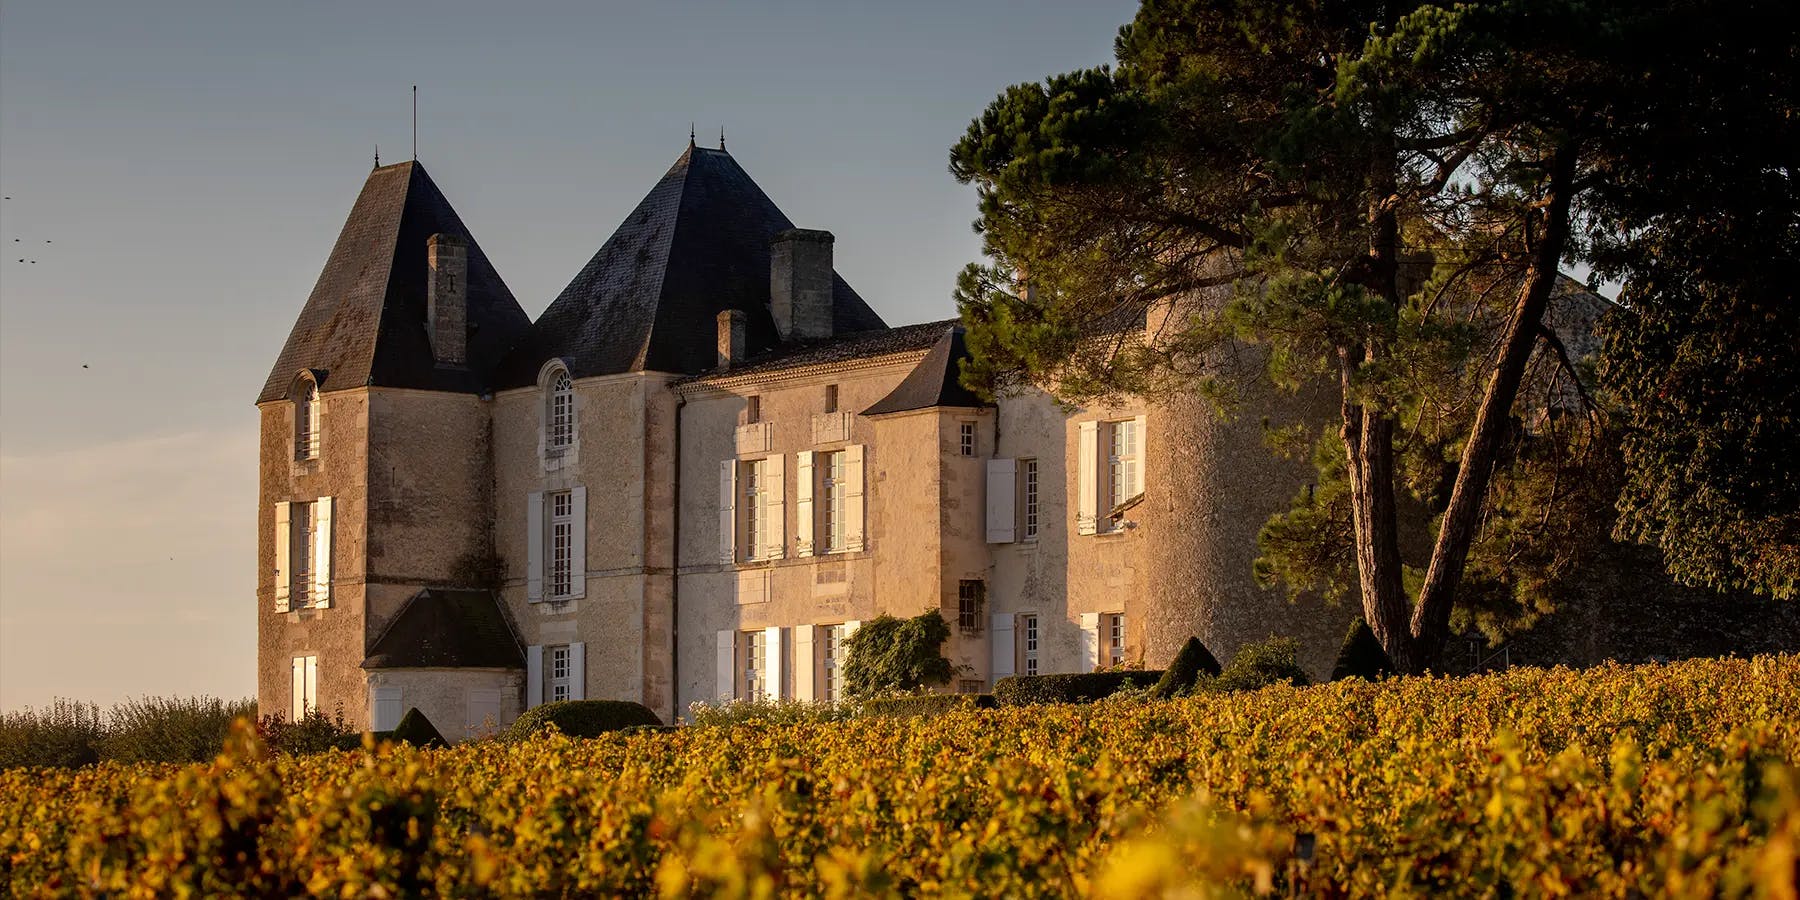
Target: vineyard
{"points": [[1676, 780]]}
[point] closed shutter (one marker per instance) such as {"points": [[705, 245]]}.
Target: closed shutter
{"points": [[805, 665], [384, 708], [725, 666], [578, 543], [1143, 455], [853, 497], [1002, 504], [534, 550], [1090, 641], [1004, 652], [774, 502], [322, 552], [803, 503], [284, 544], [1087, 480], [297, 687], [772, 662], [312, 683], [577, 671], [534, 676], [728, 512]]}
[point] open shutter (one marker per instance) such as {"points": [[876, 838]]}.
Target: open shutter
{"points": [[728, 512], [577, 671], [1090, 641], [725, 666], [321, 594], [284, 544], [297, 688], [774, 500], [384, 708], [805, 666], [534, 676], [1087, 478], [312, 683], [853, 497], [1143, 456], [1002, 504], [534, 551], [578, 544], [772, 662], [803, 503], [1004, 654]]}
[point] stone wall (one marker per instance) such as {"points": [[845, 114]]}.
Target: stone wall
{"points": [[444, 696]]}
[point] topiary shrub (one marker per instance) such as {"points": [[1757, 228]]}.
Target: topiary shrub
{"points": [[1085, 687], [418, 731], [1362, 655], [926, 704], [582, 718], [1261, 664], [1193, 663]]}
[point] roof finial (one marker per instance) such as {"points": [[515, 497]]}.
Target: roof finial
{"points": [[690, 135], [377, 156], [415, 123], [721, 137]]}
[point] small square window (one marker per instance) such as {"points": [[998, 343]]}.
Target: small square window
{"points": [[831, 398], [967, 439]]}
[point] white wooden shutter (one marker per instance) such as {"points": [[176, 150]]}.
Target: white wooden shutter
{"points": [[1090, 641], [772, 662], [384, 708], [1143, 455], [803, 503], [321, 593], [534, 551], [1002, 502], [1087, 478], [312, 683], [774, 502], [725, 666], [853, 497], [297, 688], [577, 671], [1004, 652], [534, 676], [728, 512], [284, 544], [578, 543], [805, 666]]}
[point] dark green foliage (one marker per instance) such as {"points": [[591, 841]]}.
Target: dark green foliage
{"points": [[418, 731], [354, 741], [1192, 664], [926, 704], [889, 655], [1262, 664], [583, 718], [171, 729], [316, 733], [1084, 687], [66, 734], [1361, 656]]}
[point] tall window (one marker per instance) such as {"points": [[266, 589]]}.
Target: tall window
{"points": [[755, 659], [1122, 461], [560, 414], [966, 439], [1115, 640], [305, 687], [756, 474], [559, 673], [306, 421], [833, 468], [1030, 497], [1028, 626], [969, 596], [562, 543], [302, 552], [834, 662]]}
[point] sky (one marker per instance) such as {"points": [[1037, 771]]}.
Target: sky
{"points": [[175, 174]]}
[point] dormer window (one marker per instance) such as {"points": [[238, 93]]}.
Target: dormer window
{"points": [[306, 419], [559, 415]]}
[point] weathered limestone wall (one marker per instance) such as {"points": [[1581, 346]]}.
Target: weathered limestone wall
{"points": [[444, 696]]}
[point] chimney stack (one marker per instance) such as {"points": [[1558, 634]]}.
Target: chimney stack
{"points": [[800, 284], [731, 337], [446, 298]]}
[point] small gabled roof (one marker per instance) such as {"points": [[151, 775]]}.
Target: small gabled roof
{"points": [[443, 628], [364, 323], [696, 245], [936, 381]]}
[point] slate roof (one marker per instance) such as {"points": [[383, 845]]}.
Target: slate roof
{"points": [[841, 348], [697, 244], [443, 628], [936, 381], [364, 323]]}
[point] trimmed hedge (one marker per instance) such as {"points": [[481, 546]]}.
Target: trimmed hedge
{"points": [[418, 731], [1193, 664], [1362, 655], [926, 704], [583, 718], [1085, 687], [1263, 663]]}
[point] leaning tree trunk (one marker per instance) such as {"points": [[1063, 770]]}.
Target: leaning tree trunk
{"points": [[1431, 617]]}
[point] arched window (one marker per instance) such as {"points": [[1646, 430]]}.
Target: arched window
{"points": [[306, 419], [559, 414]]}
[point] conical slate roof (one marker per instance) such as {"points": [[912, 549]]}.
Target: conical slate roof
{"points": [[447, 628], [935, 381], [365, 321], [697, 244]]}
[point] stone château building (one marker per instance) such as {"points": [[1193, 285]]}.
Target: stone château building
{"points": [[696, 473]]}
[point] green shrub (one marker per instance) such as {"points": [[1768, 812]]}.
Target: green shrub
{"points": [[1084, 687], [926, 704], [788, 711], [418, 731], [354, 741], [583, 718], [1362, 655], [315, 733], [888, 655], [1261, 664], [171, 729], [66, 734], [1193, 663]]}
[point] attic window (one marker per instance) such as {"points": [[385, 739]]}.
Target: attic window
{"points": [[752, 410], [559, 418], [831, 398], [306, 419]]}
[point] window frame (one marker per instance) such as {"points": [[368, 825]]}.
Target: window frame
{"points": [[308, 421], [965, 439], [1115, 639], [1030, 504], [753, 664], [833, 663], [752, 409], [559, 413], [971, 597], [832, 468], [557, 687], [559, 554], [1030, 643], [753, 521], [303, 547], [831, 398]]}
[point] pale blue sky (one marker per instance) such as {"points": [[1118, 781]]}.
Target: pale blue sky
{"points": [[191, 164]]}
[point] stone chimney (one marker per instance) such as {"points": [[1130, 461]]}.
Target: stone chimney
{"points": [[731, 338], [447, 298], [800, 284]]}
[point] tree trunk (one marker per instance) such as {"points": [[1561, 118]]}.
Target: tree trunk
{"points": [[1431, 617]]}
